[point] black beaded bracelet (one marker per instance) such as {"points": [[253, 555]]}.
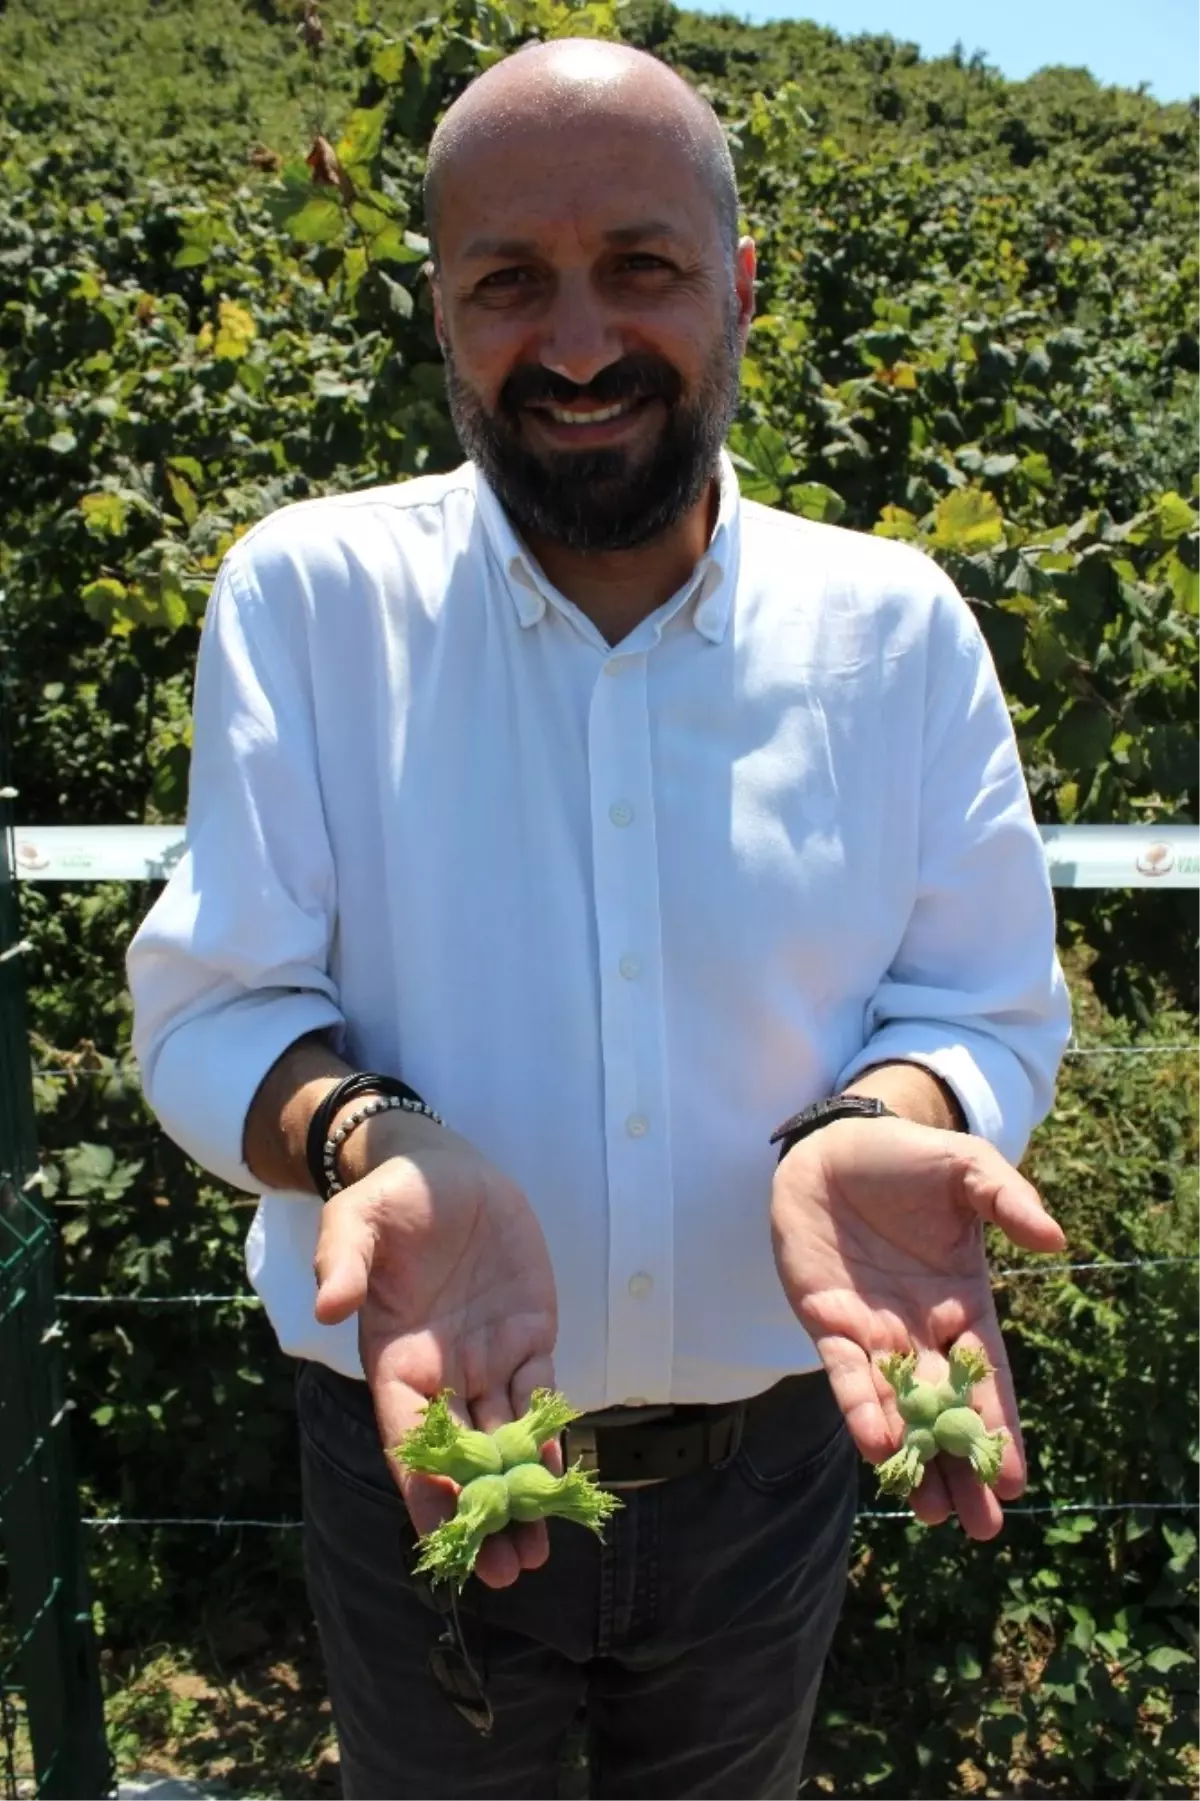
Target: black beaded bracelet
{"points": [[317, 1155]]}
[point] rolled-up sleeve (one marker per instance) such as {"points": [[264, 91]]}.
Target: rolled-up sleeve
{"points": [[975, 992], [231, 965]]}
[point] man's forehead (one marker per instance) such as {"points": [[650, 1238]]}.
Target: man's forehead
{"points": [[489, 246], [616, 188]]}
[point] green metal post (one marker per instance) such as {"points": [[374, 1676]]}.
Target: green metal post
{"points": [[51, 1709]]}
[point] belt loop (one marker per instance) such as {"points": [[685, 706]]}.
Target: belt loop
{"points": [[579, 1443], [729, 1429]]}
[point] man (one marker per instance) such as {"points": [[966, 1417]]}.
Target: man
{"points": [[611, 820]]}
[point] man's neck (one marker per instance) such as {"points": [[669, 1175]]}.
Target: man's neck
{"points": [[617, 589]]}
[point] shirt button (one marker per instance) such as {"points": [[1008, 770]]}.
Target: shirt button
{"points": [[637, 1125], [640, 1285], [621, 813], [630, 966]]}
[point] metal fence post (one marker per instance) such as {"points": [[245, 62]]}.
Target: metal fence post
{"points": [[51, 1709]]}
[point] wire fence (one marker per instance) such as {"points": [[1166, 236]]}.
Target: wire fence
{"points": [[226, 1523], [1044, 1271]]}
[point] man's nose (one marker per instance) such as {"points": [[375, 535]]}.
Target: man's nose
{"points": [[579, 337]]}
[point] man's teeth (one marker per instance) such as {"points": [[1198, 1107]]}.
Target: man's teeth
{"points": [[596, 417]]}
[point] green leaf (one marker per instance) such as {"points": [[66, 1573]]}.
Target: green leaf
{"points": [[391, 245], [168, 607], [1167, 1657], [102, 598], [1037, 471], [388, 62], [195, 246], [183, 497], [1048, 657], [1082, 736], [380, 296], [188, 466], [897, 522], [1184, 584], [761, 455], [236, 330], [104, 513], [1182, 1543], [314, 218], [967, 520], [88, 1167], [359, 144], [813, 500], [63, 442], [1173, 516], [967, 1664]]}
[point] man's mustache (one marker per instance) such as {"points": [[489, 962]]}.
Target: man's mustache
{"points": [[629, 378]]}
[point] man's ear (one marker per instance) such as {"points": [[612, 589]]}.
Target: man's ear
{"points": [[435, 288], [744, 269]]}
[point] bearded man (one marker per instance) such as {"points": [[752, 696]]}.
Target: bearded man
{"points": [[558, 827]]}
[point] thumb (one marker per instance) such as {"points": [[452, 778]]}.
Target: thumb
{"points": [[1000, 1195], [343, 1258]]}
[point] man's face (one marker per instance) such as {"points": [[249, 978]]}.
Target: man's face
{"points": [[592, 325]]}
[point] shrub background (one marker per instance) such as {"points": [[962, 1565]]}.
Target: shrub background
{"points": [[977, 330]]}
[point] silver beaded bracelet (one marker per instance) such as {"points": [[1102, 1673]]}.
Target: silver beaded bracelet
{"points": [[388, 1103]]}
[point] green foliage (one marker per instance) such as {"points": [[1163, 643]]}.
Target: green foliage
{"points": [[1060, 1659], [977, 332]]}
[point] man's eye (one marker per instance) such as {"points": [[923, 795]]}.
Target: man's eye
{"points": [[640, 260], [507, 278]]}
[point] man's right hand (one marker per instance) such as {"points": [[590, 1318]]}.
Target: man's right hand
{"points": [[443, 1260]]}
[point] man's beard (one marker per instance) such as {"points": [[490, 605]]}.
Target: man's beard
{"points": [[603, 499]]}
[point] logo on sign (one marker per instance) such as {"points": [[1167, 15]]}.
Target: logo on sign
{"points": [[1156, 859], [28, 856]]}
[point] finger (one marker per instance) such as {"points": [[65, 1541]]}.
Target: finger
{"points": [[996, 1400], [492, 1409], [1000, 1194], [531, 1541], [978, 1509], [931, 1502], [430, 1499], [342, 1262], [398, 1408], [535, 1372], [852, 1376], [508, 1397], [498, 1564]]}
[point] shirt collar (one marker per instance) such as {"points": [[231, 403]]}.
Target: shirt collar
{"points": [[709, 590]]}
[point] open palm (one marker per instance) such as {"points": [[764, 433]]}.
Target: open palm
{"points": [[445, 1263], [876, 1227]]}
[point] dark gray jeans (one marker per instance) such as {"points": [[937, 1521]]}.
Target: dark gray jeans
{"points": [[694, 1637]]}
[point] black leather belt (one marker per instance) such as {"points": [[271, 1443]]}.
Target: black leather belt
{"points": [[627, 1445]]}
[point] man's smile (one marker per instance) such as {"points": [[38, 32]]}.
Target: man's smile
{"points": [[586, 425]]}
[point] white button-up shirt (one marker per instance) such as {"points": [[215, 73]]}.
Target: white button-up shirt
{"points": [[614, 911]]}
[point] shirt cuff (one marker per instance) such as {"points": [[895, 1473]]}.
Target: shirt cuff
{"points": [[984, 1076], [207, 1072]]}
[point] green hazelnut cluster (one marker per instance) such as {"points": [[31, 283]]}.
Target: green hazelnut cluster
{"points": [[501, 1477], [938, 1416]]}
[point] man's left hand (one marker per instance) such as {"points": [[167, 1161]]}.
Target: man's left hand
{"points": [[878, 1239]]}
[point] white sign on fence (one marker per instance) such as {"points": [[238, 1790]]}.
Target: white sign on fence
{"points": [[1078, 856]]}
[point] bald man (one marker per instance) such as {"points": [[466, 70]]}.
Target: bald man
{"points": [[558, 827]]}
